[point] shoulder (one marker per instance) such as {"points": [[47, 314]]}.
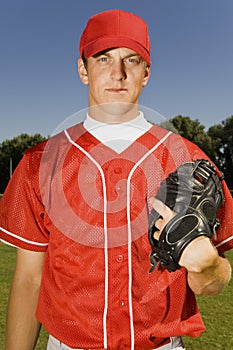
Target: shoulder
{"points": [[38, 148], [176, 143]]}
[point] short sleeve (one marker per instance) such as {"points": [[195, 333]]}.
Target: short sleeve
{"points": [[224, 235], [21, 209]]}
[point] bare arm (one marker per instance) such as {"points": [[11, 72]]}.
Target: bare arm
{"points": [[22, 327], [208, 273]]}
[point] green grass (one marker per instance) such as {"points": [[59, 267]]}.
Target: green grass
{"points": [[217, 315], [216, 311]]}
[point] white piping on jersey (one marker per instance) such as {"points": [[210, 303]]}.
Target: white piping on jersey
{"points": [[106, 234], [7, 243], [225, 241], [23, 239]]}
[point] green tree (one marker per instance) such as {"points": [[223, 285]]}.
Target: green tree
{"points": [[11, 151], [222, 134], [195, 132], [217, 142]]}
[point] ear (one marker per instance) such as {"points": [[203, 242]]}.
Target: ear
{"points": [[82, 71], [146, 76]]}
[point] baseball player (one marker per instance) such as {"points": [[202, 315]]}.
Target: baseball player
{"points": [[79, 205]]}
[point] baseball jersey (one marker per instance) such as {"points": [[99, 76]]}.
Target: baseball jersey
{"points": [[86, 206]]}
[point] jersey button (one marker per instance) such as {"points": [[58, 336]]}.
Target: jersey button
{"points": [[122, 303], [120, 258], [118, 170]]}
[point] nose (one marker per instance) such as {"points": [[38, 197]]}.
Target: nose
{"points": [[118, 70]]}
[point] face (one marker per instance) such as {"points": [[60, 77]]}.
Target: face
{"points": [[115, 79]]}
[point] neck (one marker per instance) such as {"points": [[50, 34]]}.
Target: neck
{"points": [[114, 113]]}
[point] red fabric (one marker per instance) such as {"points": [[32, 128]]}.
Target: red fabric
{"points": [[115, 28], [54, 203]]}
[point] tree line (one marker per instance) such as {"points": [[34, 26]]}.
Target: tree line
{"points": [[216, 142]]}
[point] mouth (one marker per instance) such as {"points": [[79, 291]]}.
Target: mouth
{"points": [[116, 90]]}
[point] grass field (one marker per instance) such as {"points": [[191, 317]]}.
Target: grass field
{"points": [[216, 311]]}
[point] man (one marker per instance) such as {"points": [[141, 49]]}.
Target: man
{"points": [[77, 206]]}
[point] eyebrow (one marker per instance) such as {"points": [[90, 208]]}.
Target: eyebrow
{"points": [[104, 52], [107, 53]]}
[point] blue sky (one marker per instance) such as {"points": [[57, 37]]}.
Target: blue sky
{"points": [[192, 60]]}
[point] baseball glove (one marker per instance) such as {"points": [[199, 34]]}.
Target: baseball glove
{"points": [[194, 192]]}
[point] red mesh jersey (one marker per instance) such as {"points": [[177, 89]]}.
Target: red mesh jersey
{"points": [[86, 206]]}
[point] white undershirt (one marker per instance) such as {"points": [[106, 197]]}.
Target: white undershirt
{"points": [[117, 136]]}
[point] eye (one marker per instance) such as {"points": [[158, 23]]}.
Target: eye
{"points": [[132, 61], [103, 59]]}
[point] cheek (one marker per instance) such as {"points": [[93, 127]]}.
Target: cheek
{"points": [[96, 80], [94, 84], [137, 86], [139, 80]]}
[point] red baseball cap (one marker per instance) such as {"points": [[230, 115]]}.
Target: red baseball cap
{"points": [[115, 28]]}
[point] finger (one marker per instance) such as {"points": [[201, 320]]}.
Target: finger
{"points": [[164, 211]]}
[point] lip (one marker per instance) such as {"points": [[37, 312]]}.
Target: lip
{"points": [[116, 90]]}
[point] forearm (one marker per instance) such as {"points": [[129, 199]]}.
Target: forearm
{"points": [[22, 328], [212, 279]]}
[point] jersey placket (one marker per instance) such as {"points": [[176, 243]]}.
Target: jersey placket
{"points": [[118, 323]]}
